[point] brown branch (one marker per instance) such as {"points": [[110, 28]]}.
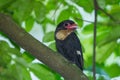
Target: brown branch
{"points": [[94, 42], [52, 59]]}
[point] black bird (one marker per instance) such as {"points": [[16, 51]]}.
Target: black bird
{"points": [[67, 42]]}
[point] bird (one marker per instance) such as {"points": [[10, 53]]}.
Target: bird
{"points": [[68, 44]]}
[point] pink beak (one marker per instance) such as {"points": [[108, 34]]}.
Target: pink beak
{"points": [[71, 27]]}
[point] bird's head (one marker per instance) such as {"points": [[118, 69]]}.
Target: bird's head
{"points": [[64, 29], [66, 25]]}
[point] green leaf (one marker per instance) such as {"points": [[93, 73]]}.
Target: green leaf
{"points": [[62, 15], [40, 11], [112, 35], [48, 37], [29, 23], [21, 10], [71, 13], [88, 29], [115, 10], [86, 4], [101, 3], [25, 75], [20, 72], [117, 49], [14, 72], [105, 51], [4, 3], [113, 70], [101, 29], [14, 44], [28, 57], [52, 46], [21, 61], [111, 2], [45, 24], [5, 57], [5, 48], [7, 73], [43, 72], [53, 5]]}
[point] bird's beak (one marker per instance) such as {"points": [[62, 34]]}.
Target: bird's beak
{"points": [[72, 27]]}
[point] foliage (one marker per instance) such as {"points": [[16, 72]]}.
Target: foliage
{"points": [[17, 64]]}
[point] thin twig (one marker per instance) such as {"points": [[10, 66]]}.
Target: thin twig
{"points": [[94, 43], [53, 16], [111, 17], [83, 20]]}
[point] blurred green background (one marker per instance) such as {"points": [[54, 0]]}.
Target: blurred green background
{"points": [[40, 17]]}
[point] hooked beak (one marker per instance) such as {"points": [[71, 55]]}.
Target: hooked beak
{"points": [[71, 27]]}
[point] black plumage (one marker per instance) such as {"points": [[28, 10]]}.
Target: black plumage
{"points": [[67, 42]]}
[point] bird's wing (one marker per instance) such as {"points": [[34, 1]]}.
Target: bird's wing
{"points": [[77, 51]]}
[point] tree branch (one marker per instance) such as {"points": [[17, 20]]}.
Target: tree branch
{"points": [[94, 41], [84, 20], [52, 59]]}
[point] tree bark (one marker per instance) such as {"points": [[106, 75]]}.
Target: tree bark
{"points": [[52, 59]]}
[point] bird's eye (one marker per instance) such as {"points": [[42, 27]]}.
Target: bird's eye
{"points": [[66, 24]]}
